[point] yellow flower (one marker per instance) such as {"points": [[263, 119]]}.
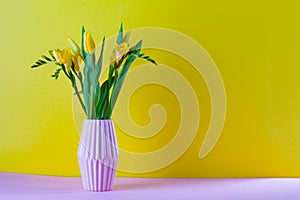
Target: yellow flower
{"points": [[63, 57], [76, 60], [74, 46], [57, 55], [89, 44], [66, 56], [121, 50], [80, 60]]}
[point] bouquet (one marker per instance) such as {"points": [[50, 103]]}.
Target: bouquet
{"points": [[98, 99]]}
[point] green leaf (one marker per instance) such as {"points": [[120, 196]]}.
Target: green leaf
{"points": [[147, 58], [72, 78], [119, 83], [126, 65], [103, 98], [142, 56], [103, 105], [150, 60], [110, 76], [120, 35], [87, 83], [116, 77], [56, 73], [42, 62], [82, 43], [46, 58], [97, 96], [99, 65], [138, 46], [51, 53]]}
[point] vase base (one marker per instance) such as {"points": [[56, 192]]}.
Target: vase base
{"points": [[96, 176]]}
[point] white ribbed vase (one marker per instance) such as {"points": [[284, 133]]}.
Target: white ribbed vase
{"points": [[98, 154]]}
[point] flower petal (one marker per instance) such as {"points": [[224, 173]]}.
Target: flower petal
{"points": [[89, 44]]}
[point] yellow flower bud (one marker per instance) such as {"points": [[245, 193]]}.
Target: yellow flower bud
{"points": [[89, 44], [66, 56], [57, 55], [74, 46], [63, 57], [121, 50]]}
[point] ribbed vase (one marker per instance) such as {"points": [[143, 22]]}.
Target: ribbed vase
{"points": [[98, 155]]}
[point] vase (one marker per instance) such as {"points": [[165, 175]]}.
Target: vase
{"points": [[98, 154]]}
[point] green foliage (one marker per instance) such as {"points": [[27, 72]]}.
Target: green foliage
{"points": [[99, 100], [56, 73], [44, 60], [120, 35], [82, 43], [86, 84]]}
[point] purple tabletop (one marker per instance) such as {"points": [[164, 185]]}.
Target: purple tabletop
{"points": [[35, 187]]}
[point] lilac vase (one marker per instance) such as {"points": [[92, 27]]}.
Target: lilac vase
{"points": [[98, 154]]}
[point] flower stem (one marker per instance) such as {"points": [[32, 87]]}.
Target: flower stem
{"points": [[79, 98]]}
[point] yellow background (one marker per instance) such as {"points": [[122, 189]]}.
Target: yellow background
{"points": [[255, 44]]}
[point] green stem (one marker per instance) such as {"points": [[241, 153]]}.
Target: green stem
{"points": [[111, 84], [75, 88], [93, 62], [92, 91], [79, 77], [92, 105], [79, 98], [64, 70], [107, 110]]}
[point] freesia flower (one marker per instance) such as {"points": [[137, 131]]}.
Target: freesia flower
{"points": [[57, 55], [99, 98], [76, 60], [119, 51], [74, 46], [63, 57], [89, 44]]}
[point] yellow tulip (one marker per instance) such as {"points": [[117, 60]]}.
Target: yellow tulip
{"points": [[74, 46], [89, 44]]}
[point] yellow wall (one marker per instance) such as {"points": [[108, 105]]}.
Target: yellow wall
{"points": [[255, 45]]}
